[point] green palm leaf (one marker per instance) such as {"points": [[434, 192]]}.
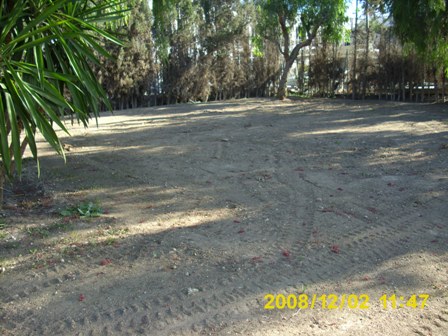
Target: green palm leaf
{"points": [[47, 50]]}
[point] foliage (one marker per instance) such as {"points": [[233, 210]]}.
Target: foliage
{"points": [[126, 75], [326, 70], [425, 24], [3, 232], [279, 18], [84, 209], [303, 16], [47, 51], [203, 48], [421, 21]]}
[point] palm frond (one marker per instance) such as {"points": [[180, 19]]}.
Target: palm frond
{"points": [[47, 50]]}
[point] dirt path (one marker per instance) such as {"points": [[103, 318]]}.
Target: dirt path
{"points": [[210, 207]]}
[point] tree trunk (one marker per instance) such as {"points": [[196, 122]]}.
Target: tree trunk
{"points": [[443, 84], [291, 57], [289, 61], [302, 73], [402, 82], [436, 85], [282, 85], [366, 60], [2, 183], [346, 80], [355, 47]]}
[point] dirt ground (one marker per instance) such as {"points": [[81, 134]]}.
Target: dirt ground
{"points": [[209, 207]]}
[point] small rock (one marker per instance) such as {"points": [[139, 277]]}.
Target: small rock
{"points": [[191, 291]]}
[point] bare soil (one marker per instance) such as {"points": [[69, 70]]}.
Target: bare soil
{"points": [[209, 207]]}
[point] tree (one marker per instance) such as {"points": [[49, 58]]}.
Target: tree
{"points": [[47, 51], [127, 76], [326, 69], [278, 19], [425, 24], [420, 21], [195, 40], [355, 55]]}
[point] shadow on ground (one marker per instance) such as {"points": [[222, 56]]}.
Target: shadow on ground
{"points": [[211, 206]]}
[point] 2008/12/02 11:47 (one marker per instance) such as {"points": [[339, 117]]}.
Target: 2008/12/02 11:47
{"points": [[333, 301]]}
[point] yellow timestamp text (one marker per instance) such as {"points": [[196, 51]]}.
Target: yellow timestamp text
{"points": [[334, 301]]}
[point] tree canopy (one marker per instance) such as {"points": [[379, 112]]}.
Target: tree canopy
{"points": [[423, 23], [281, 18]]}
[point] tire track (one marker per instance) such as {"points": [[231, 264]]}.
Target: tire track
{"points": [[228, 297], [437, 325], [205, 312]]}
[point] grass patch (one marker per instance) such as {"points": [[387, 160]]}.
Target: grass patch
{"points": [[38, 232], [3, 232], [46, 230], [116, 231], [84, 209], [11, 245], [110, 241]]}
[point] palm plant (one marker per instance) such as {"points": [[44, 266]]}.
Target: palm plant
{"points": [[47, 49]]}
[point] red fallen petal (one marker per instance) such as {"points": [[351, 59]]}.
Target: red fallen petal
{"points": [[335, 249], [105, 262], [81, 297], [286, 253], [241, 231]]}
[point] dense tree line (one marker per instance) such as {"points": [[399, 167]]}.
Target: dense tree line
{"points": [[199, 50], [183, 50], [377, 60]]}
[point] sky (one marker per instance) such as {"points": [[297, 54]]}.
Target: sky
{"points": [[351, 8], [350, 11]]}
